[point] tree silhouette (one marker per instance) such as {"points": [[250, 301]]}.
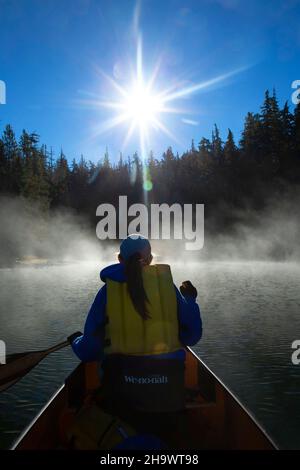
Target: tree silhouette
{"points": [[266, 160]]}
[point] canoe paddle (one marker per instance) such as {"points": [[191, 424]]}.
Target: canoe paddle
{"points": [[19, 364]]}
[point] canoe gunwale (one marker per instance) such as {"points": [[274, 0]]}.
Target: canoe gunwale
{"points": [[64, 388], [28, 428], [235, 398]]}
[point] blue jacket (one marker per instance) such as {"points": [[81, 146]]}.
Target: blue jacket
{"points": [[89, 346]]}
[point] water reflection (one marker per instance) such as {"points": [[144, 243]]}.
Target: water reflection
{"points": [[250, 313]]}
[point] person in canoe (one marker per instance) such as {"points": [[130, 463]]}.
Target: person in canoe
{"points": [[137, 327]]}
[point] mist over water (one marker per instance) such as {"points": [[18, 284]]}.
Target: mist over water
{"points": [[250, 304], [250, 315], [272, 233], [59, 236]]}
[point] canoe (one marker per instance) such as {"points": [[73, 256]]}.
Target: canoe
{"points": [[215, 418]]}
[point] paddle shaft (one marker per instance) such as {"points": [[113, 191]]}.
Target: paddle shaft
{"points": [[57, 347]]}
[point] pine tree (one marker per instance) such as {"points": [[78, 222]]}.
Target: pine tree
{"points": [[61, 180], [205, 157], [271, 134], [11, 162], [34, 184], [286, 146], [217, 145], [106, 161], [151, 160], [205, 147], [2, 166], [120, 162], [212, 172], [250, 143], [230, 149], [296, 132], [287, 123], [168, 156]]}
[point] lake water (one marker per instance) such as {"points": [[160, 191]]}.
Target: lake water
{"points": [[250, 312]]}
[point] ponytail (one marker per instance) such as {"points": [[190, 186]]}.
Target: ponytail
{"points": [[135, 286]]}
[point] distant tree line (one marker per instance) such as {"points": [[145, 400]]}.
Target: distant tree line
{"points": [[265, 161]]}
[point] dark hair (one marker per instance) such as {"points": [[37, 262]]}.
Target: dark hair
{"points": [[135, 286]]}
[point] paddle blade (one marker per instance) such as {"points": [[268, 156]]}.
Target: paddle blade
{"points": [[17, 365]]}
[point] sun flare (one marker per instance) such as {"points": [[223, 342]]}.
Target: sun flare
{"points": [[141, 106]]}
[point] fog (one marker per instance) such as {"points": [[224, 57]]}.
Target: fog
{"points": [[272, 233], [62, 236], [26, 232], [41, 307]]}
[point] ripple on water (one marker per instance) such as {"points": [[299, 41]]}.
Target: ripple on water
{"points": [[250, 316]]}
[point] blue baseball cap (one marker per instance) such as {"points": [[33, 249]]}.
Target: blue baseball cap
{"points": [[135, 243]]}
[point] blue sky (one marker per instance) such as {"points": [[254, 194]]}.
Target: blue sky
{"points": [[51, 52]]}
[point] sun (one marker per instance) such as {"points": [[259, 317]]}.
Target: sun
{"points": [[142, 106]]}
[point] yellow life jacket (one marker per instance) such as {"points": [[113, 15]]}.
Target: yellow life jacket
{"points": [[127, 332]]}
